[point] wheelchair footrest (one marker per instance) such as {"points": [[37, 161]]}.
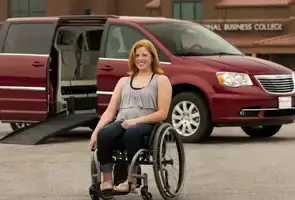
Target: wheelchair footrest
{"points": [[118, 193]]}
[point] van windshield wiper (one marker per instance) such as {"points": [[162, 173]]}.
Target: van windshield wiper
{"points": [[224, 53], [189, 54]]}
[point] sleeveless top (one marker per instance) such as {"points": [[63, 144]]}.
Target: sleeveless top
{"points": [[137, 102]]}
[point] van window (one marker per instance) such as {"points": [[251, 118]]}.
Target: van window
{"points": [[24, 38], [121, 39]]}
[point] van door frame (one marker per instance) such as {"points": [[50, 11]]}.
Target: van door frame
{"points": [[72, 22]]}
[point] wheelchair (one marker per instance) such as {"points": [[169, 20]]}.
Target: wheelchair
{"points": [[153, 153]]}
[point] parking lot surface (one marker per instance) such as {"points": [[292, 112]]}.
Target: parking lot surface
{"points": [[230, 166]]}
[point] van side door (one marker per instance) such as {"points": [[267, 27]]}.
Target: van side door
{"points": [[24, 69], [113, 61]]}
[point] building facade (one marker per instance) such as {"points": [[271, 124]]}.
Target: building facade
{"points": [[262, 28]]}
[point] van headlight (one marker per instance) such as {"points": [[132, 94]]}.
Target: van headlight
{"points": [[233, 79]]}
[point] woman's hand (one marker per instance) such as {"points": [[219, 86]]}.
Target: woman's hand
{"points": [[128, 123], [93, 140]]}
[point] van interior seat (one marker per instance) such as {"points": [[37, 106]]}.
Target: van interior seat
{"points": [[89, 61], [69, 61], [66, 44]]}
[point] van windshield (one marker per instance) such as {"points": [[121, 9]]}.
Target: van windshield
{"points": [[190, 39]]}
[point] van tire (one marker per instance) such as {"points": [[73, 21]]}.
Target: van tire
{"points": [[17, 126], [262, 132], [205, 125]]}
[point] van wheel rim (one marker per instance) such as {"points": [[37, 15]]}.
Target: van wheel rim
{"points": [[186, 118], [21, 125]]}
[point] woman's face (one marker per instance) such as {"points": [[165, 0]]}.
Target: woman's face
{"points": [[143, 58]]}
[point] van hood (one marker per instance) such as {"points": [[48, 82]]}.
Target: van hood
{"points": [[243, 64]]}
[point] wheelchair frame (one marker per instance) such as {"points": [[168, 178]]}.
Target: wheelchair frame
{"points": [[143, 157]]}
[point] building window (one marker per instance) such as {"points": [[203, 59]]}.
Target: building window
{"points": [[26, 8], [187, 9]]}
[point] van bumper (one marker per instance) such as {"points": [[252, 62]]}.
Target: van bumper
{"points": [[249, 110]]}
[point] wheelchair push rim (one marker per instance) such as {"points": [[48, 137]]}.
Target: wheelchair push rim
{"points": [[159, 148]]}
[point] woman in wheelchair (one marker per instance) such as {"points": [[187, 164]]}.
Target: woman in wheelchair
{"points": [[139, 101]]}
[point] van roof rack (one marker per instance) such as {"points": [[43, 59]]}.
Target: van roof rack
{"points": [[77, 17]]}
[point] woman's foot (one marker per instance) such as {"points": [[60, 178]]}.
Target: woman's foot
{"points": [[107, 182], [124, 187], [106, 186]]}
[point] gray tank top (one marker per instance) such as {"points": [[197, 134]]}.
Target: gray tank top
{"points": [[137, 102]]}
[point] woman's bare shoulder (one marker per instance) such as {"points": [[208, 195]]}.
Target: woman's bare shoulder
{"points": [[163, 79], [122, 80]]}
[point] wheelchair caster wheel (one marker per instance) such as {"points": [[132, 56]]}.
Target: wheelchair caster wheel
{"points": [[93, 193], [147, 196]]}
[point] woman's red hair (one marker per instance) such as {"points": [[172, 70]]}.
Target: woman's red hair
{"points": [[151, 48]]}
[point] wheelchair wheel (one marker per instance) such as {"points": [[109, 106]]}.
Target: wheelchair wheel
{"points": [[166, 136], [94, 191]]}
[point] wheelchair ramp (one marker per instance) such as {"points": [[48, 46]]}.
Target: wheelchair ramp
{"points": [[39, 132]]}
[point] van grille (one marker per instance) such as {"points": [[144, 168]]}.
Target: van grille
{"points": [[276, 84]]}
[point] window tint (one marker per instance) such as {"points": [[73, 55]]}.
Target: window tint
{"points": [[120, 40], [29, 38]]}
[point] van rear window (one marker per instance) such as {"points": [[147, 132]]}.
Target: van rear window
{"points": [[29, 38]]}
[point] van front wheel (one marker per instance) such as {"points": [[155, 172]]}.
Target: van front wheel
{"points": [[17, 126], [262, 131], [189, 115]]}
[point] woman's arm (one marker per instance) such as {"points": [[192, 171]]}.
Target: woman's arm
{"points": [[164, 100], [112, 108]]}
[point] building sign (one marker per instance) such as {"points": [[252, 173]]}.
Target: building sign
{"points": [[245, 27]]}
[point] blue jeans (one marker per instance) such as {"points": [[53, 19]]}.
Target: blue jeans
{"points": [[113, 134]]}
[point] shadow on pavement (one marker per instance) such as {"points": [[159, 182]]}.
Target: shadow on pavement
{"points": [[70, 136]]}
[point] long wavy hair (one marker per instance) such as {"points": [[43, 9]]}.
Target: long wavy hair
{"points": [[155, 65]]}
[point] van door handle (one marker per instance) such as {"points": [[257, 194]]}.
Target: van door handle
{"points": [[106, 68], [37, 64]]}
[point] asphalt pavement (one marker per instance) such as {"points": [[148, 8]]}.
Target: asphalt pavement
{"points": [[230, 166]]}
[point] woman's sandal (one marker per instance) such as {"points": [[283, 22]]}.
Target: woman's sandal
{"points": [[124, 187], [106, 186]]}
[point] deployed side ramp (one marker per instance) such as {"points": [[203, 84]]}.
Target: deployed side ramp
{"points": [[39, 132]]}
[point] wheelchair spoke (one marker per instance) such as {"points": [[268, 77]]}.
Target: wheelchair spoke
{"points": [[167, 161], [166, 140], [172, 176]]}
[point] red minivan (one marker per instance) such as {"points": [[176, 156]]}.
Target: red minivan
{"points": [[71, 64]]}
